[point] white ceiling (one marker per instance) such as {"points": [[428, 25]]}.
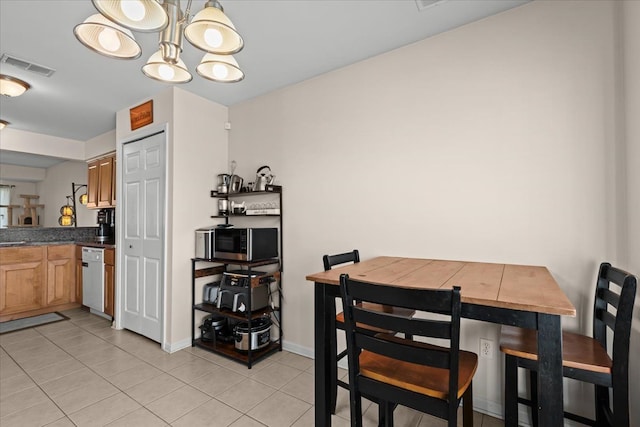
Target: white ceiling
{"points": [[286, 41]]}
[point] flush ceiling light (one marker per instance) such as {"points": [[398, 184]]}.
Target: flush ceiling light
{"points": [[220, 68], [3, 124], [211, 31], [107, 38], [12, 86]]}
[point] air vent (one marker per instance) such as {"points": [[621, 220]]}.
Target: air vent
{"points": [[26, 65], [424, 4]]}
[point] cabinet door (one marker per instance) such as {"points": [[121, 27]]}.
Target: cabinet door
{"points": [[61, 274], [92, 184], [113, 182], [105, 173], [109, 281], [21, 279], [78, 293], [109, 273]]}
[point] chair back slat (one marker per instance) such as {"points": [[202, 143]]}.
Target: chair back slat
{"points": [[330, 261], [410, 325], [607, 318], [402, 297], [402, 349], [609, 297]]}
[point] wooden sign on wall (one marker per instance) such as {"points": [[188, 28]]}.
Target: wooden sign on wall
{"points": [[141, 115]]}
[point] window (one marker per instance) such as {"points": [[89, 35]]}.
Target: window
{"points": [[5, 200]]}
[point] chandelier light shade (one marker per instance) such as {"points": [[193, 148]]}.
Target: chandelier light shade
{"points": [[107, 38], [220, 68], [159, 69], [211, 31], [12, 86], [109, 33], [3, 124], [146, 16]]}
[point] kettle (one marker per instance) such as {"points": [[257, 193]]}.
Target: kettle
{"points": [[263, 177]]}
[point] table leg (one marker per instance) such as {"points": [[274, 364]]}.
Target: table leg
{"points": [[550, 403], [322, 368]]}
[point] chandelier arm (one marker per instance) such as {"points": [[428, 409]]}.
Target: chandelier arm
{"points": [[187, 12]]}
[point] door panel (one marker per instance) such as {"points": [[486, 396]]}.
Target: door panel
{"points": [[143, 207]]}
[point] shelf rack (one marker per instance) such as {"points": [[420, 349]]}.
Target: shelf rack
{"points": [[227, 349]]}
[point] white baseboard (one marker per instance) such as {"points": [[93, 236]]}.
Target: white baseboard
{"points": [[297, 349], [173, 347]]}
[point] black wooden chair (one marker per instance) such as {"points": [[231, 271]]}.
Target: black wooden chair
{"points": [[394, 370], [584, 358], [330, 261]]}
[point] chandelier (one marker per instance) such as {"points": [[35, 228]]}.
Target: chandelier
{"points": [[109, 33]]}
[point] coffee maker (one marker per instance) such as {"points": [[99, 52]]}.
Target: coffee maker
{"points": [[106, 225]]}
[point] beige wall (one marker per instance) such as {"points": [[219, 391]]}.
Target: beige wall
{"points": [[631, 37], [100, 145], [492, 142], [52, 185], [196, 153], [57, 185]]}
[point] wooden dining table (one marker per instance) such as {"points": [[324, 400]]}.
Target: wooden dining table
{"points": [[517, 295]]}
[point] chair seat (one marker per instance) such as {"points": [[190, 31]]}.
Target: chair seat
{"points": [[578, 351], [398, 311], [426, 380]]}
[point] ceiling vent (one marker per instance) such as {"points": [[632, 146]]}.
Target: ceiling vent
{"points": [[26, 65], [424, 4]]}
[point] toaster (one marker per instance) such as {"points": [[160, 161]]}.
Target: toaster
{"points": [[210, 292]]}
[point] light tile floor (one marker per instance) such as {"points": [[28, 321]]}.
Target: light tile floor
{"points": [[82, 372]]}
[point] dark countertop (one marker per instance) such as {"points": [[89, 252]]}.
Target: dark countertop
{"points": [[106, 245], [42, 236]]}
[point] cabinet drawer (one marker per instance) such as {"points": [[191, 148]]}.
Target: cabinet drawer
{"points": [[22, 254], [57, 252]]}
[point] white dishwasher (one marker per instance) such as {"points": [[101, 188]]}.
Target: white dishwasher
{"points": [[93, 278]]}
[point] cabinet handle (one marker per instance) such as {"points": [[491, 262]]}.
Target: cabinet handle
{"points": [[85, 264]]}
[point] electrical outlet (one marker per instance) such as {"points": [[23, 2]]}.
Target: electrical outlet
{"points": [[486, 348]]}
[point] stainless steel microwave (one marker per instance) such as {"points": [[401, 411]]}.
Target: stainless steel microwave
{"points": [[246, 244]]}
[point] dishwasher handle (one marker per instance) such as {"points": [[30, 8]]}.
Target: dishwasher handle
{"points": [[85, 264]]}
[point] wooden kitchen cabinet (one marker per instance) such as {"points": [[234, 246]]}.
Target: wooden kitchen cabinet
{"points": [[92, 185], [61, 274], [101, 188], [22, 278], [36, 280], [109, 281]]}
